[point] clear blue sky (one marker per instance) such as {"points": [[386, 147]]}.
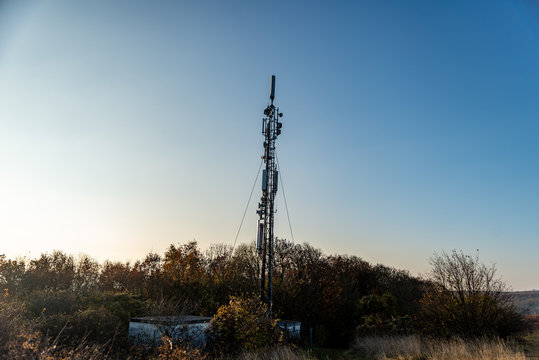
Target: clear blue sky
{"points": [[410, 126]]}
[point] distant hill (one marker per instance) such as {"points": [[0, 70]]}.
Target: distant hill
{"points": [[527, 301]]}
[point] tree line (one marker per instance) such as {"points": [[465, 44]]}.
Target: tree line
{"points": [[337, 296]]}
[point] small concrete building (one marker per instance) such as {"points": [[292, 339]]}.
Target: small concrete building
{"points": [[149, 330], [291, 328]]}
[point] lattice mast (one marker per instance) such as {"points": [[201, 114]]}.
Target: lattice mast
{"points": [[271, 128]]}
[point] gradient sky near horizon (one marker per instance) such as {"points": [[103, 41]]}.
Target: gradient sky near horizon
{"points": [[409, 127]]}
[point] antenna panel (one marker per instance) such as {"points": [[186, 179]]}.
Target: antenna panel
{"points": [[272, 91]]}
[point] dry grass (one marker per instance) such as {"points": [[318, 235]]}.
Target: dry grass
{"points": [[414, 348], [276, 353]]}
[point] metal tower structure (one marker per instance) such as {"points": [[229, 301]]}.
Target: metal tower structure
{"points": [[271, 128]]}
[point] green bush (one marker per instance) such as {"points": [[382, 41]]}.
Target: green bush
{"points": [[123, 305], [97, 325], [46, 302]]}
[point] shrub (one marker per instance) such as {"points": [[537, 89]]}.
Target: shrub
{"points": [[96, 326], [243, 324], [171, 350], [47, 302], [12, 322], [467, 299]]}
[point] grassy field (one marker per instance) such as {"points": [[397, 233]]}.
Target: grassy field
{"points": [[340, 354], [414, 348], [531, 345], [527, 301]]}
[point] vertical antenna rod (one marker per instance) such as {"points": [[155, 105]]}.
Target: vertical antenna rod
{"points": [[271, 128]]}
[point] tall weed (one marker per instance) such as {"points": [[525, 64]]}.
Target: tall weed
{"points": [[414, 348]]}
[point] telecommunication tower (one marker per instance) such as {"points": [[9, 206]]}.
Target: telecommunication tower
{"points": [[271, 128]]}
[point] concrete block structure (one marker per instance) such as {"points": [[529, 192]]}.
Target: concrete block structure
{"points": [[188, 328]]}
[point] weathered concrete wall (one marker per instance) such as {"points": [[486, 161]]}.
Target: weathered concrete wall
{"points": [[151, 334]]}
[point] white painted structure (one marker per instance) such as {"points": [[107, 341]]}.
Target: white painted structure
{"points": [[291, 328], [149, 330]]}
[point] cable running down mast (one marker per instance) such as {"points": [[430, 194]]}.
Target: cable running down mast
{"points": [[271, 128]]}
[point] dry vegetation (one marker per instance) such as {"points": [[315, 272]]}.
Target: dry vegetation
{"points": [[62, 307], [274, 354], [415, 348]]}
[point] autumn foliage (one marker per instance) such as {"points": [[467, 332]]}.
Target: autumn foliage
{"points": [[75, 299], [244, 324]]}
